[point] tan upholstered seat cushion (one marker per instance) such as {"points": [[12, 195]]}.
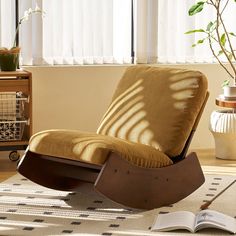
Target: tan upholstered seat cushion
{"points": [[156, 106], [93, 148]]}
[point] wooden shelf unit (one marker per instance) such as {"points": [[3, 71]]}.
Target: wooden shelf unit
{"points": [[18, 81]]}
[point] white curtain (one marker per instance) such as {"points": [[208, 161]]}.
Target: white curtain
{"points": [[160, 28], [173, 21], [30, 33], [77, 32], [99, 31], [146, 21], [7, 23]]}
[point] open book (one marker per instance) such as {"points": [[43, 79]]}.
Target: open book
{"points": [[187, 220]]}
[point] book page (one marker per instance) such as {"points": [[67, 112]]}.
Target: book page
{"points": [[174, 220], [214, 219]]}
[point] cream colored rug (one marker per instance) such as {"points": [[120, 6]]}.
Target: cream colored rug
{"points": [[29, 209]]}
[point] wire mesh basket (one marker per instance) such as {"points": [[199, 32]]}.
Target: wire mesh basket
{"points": [[12, 117]]}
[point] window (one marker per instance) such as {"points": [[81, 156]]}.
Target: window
{"points": [[76, 32], [173, 21], [7, 22]]}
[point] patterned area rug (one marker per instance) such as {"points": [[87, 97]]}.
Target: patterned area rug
{"points": [[29, 209]]}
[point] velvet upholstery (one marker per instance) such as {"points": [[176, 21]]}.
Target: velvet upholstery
{"points": [[155, 106], [94, 148], [150, 117]]}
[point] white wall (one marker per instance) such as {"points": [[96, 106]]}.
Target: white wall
{"points": [[76, 97]]}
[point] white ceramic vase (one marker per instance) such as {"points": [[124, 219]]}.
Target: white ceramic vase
{"points": [[223, 128]]}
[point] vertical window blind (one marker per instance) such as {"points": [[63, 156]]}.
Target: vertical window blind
{"points": [[77, 32], [7, 23], [162, 25], [174, 46], [146, 24]]}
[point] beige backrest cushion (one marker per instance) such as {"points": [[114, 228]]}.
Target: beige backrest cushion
{"points": [[155, 106]]}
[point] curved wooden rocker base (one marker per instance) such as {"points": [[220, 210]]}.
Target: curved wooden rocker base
{"points": [[56, 173], [117, 179], [149, 188]]}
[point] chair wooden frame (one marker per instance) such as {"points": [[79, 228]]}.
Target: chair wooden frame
{"points": [[118, 179]]}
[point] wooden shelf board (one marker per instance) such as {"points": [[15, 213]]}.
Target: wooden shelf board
{"points": [[225, 103], [18, 73], [13, 143]]}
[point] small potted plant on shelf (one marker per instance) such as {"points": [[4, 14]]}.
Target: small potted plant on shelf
{"points": [[219, 40], [9, 58]]}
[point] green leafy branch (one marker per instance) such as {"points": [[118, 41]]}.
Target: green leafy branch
{"points": [[216, 34]]}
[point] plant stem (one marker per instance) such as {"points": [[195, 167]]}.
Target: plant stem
{"points": [[217, 42], [224, 7], [217, 58], [16, 33], [226, 33], [218, 36], [24, 18]]}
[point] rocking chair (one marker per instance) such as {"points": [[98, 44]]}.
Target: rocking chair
{"points": [[138, 155]]}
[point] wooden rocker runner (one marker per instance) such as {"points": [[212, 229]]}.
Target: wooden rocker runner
{"points": [[138, 155]]}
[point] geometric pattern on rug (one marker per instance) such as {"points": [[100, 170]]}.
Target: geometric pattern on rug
{"points": [[30, 209]]}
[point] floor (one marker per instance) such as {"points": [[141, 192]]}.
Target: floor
{"points": [[7, 167], [209, 163], [79, 218], [213, 165]]}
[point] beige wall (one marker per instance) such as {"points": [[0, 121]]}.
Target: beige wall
{"points": [[76, 97]]}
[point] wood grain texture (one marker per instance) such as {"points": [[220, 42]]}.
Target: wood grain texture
{"points": [[225, 103], [208, 161]]}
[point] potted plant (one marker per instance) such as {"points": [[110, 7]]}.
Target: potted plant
{"points": [[9, 58], [219, 40]]}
